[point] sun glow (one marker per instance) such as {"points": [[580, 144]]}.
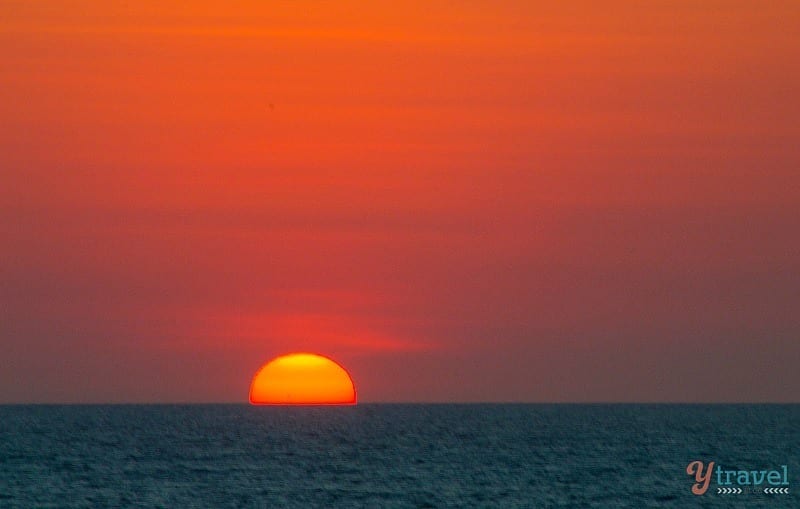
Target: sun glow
{"points": [[302, 379]]}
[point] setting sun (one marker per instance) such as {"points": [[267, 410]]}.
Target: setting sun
{"points": [[302, 379]]}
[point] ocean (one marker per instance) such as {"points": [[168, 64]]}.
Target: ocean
{"points": [[391, 455]]}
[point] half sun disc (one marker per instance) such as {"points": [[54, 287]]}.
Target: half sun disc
{"points": [[302, 379]]}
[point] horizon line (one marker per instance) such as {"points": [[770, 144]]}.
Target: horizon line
{"points": [[542, 403]]}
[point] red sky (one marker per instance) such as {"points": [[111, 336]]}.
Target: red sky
{"points": [[531, 201]]}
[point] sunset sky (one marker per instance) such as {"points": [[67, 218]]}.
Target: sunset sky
{"points": [[457, 201]]}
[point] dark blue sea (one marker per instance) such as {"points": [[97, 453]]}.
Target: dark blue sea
{"points": [[389, 455]]}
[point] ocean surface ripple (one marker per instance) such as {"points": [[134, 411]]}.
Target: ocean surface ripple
{"points": [[387, 455]]}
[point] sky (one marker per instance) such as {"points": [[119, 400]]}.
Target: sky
{"points": [[458, 201]]}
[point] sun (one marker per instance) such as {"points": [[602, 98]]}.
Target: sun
{"points": [[302, 379]]}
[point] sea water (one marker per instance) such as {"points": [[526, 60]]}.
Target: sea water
{"points": [[389, 455]]}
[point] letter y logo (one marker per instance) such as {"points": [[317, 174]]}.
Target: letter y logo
{"points": [[695, 468]]}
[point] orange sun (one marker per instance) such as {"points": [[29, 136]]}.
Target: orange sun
{"points": [[302, 379]]}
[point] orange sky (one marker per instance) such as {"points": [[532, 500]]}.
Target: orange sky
{"points": [[531, 201]]}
